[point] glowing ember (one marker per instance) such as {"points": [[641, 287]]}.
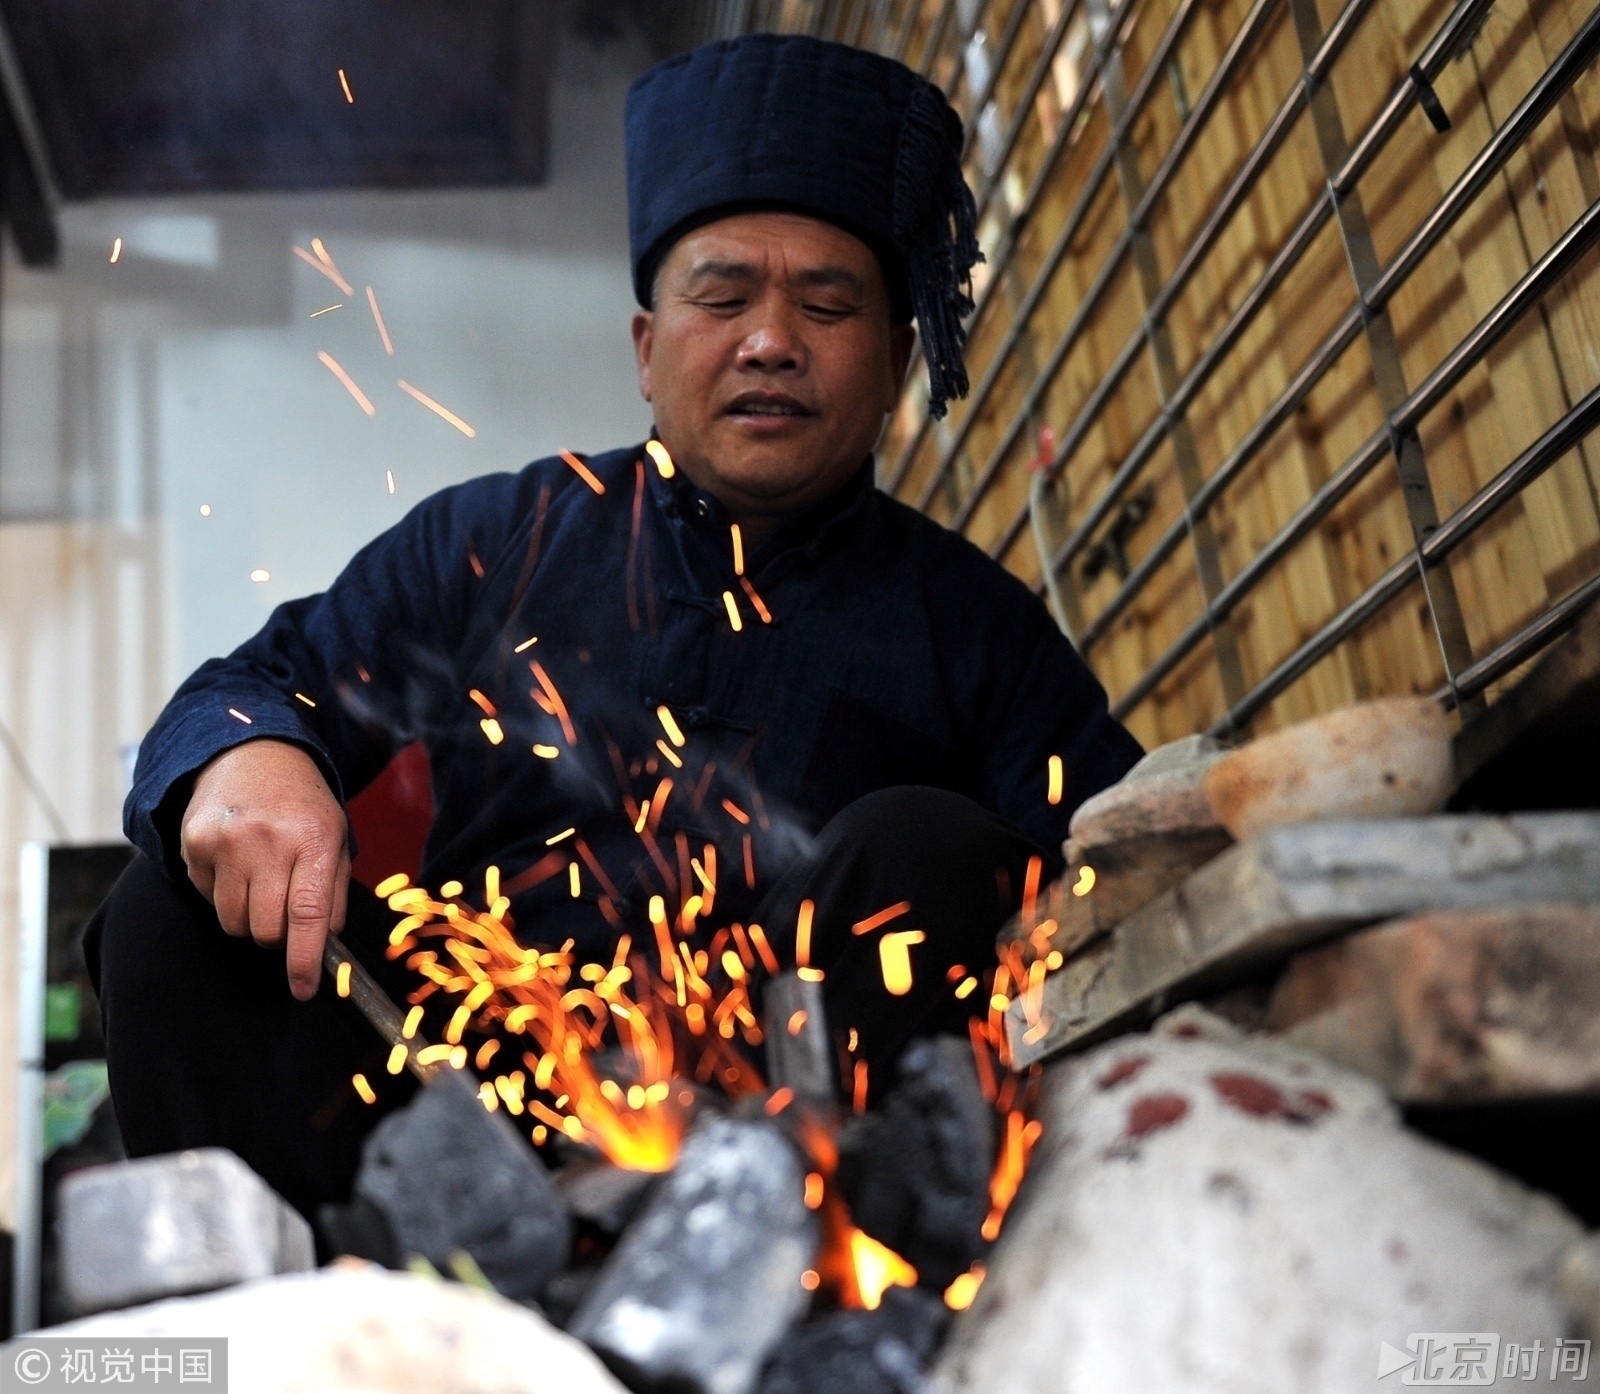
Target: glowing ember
{"points": [[877, 1269], [755, 600], [895, 959], [963, 1288], [362, 1087], [1056, 783], [1085, 882], [329, 362], [738, 551], [440, 411]]}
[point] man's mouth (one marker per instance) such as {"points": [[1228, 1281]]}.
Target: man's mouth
{"points": [[767, 404]]}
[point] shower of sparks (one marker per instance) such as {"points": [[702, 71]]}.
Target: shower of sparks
{"points": [[317, 314], [583, 471], [388, 478], [205, 510], [344, 82], [324, 268], [260, 574], [329, 362], [658, 452], [377, 319], [436, 409], [738, 551], [882, 918], [1056, 782], [116, 251]]}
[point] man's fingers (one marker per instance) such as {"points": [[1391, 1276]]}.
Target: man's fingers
{"points": [[341, 891], [310, 909], [266, 907], [231, 898]]}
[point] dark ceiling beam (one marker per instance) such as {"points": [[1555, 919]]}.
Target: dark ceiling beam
{"points": [[28, 195]]}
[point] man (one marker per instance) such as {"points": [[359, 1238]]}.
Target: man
{"points": [[726, 644]]}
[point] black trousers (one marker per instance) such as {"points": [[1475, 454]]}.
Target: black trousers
{"points": [[206, 1047]]}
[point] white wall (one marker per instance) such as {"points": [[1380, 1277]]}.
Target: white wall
{"points": [[186, 374]]}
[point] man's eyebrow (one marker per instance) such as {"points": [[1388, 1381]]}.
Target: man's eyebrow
{"points": [[829, 277], [716, 269]]}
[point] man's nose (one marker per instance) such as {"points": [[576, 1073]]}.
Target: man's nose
{"points": [[773, 345]]}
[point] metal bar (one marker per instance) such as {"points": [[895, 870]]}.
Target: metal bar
{"points": [[1522, 646], [1494, 326], [1282, 263], [376, 1006], [1540, 99], [1163, 359], [1562, 437], [1383, 348]]}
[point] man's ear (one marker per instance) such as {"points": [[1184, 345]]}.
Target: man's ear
{"points": [[902, 340], [644, 329]]}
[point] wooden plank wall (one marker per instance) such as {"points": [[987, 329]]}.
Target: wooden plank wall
{"points": [[1541, 544]]}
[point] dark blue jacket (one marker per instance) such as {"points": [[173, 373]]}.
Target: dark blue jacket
{"points": [[896, 653]]}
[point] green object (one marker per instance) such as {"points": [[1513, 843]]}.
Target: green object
{"points": [[71, 1096], [63, 1012]]}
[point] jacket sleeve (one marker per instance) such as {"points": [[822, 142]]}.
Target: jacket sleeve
{"points": [[349, 675], [1035, 697]]}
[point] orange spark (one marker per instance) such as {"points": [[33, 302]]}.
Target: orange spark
{"points": [[769, 960], [735, 620], [583, 471], [359, 1082], [964, 1287], [1056, 782], [755, 600], [1019, 1138], [377, 318], [877, 1269], [813, 1190], [331, 364], [344, 82], [796, 1021], [738, 551], [802, 933], [323, 265], [734, 811], [551, 704], [1085, 882], [669, 724], [658, 452], [883, 917], [1030, 888], [894, 958], [780, 1100], [670, 755], [436, 408], [858, 1092]]}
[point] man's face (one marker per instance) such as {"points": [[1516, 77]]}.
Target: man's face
{"points": [[770, 360]]}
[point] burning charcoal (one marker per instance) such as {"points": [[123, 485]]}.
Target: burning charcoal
{"points": [[447, 1175], [707, 1280], [186, 1222], [916, 1171], [603, 1194], [798, 1054], [881, 1352]]}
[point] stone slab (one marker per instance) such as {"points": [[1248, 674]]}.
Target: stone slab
{"points": [[1455, 1007], [185, 1222], [1293, 887], [1206, 1214]]}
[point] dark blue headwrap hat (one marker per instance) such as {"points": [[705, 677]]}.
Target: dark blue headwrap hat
{"points": [[792, 122]]}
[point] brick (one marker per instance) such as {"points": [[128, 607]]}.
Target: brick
{"points": [[186, 1222], [1293, 887], [1453, 1006]]}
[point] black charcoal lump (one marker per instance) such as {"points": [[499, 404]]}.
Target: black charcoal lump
{"points": [[707, 1279], [915, 1171], [879, 1352], [447, 1176]]}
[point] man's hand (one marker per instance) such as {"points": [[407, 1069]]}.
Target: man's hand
{"points": [[266, 843]]}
